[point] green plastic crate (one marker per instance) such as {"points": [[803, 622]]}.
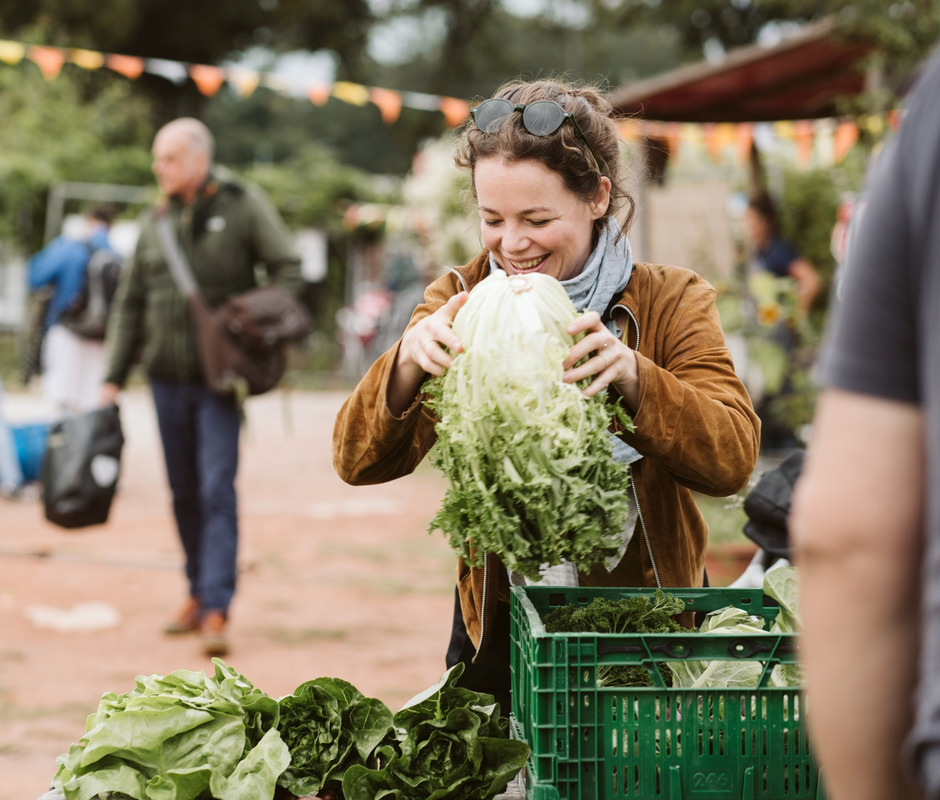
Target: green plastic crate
{"points": [[608, 743]]}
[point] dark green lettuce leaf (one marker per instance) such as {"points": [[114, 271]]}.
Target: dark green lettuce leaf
{"points": [[328, 726], [449, 742]]}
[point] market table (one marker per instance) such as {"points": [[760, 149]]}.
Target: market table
{"points": [[515, 791]]}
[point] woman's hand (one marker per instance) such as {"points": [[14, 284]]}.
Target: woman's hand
{"points": [[427, 348], [432, 344], [609, 360]]}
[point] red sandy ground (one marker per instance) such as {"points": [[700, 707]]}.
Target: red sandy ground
{"points": [[335, 581]]}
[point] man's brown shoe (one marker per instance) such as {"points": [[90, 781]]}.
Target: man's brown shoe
{"points": [[214, 641], [187, 619]]}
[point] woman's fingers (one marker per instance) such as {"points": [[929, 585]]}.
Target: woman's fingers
{"points": [[432, 343], [596, 340], [598, 355]]}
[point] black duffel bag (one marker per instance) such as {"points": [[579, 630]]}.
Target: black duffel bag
{"points": [[768, 506], [81, 467]]}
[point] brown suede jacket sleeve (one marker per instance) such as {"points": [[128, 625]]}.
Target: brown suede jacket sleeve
{"points": [[695, 419]]}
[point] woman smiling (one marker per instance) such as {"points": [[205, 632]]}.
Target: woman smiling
{"points": [[547, 176]]}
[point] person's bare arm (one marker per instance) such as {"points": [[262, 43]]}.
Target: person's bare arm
{"points": [[109, 393], [808, 283], [856, 528]]}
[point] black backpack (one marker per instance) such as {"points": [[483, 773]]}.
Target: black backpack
{"points": [[87, 316]]}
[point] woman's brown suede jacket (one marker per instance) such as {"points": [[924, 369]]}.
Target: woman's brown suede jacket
{"points": [[695, 427]]}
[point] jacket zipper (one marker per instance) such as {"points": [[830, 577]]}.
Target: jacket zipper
{"points": [[486, 571], [636, 499], [646, 536], [632, 316]]}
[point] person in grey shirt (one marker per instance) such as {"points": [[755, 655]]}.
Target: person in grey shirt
{"points": [[865, 522]]}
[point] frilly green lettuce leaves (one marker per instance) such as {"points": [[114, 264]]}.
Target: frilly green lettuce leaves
{"points": [[527, 456]]}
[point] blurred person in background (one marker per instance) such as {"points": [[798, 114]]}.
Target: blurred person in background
{"points": [[11, 473], [774, 254], [72, 365], [782, 287]]}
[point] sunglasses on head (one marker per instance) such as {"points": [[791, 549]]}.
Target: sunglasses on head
{"points": [[541, 118]]}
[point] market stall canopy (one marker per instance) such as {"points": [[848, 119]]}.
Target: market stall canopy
{"points": [[802, 77]]}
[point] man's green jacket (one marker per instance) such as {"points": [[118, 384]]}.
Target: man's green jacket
{"points": [[233, 239]]}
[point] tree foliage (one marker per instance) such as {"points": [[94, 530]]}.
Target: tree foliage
{"points": [[271, 128], [206, 32], [312, 189], [53, 132], [480, 44], [503, 47]]}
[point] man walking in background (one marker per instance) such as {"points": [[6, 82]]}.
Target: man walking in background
{"points": [[224, 228]]}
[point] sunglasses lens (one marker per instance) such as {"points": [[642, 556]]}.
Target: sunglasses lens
{"points": [[543, 117], [490, 113]]}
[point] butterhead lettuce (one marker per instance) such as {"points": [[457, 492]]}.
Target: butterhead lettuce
{"points": [[181, 736]]}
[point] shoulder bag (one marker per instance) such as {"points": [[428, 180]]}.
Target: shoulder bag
{"points": [[243, 342]]}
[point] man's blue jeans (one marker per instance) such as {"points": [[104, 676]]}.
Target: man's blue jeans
{"points": [[200, 435]]}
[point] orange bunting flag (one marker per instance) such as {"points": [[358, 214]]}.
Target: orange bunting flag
{"points": [[128, 66], [11, 52], [49, 60], [389, 103], [673, 137], [319, 93], [245, 81], [803, 130], [745, 134], [86, 59], [845, 137], [208, 79], [455, 111], [628, 130], [718, 138]]}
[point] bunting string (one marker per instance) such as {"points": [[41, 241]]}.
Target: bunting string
{"points": [[821, 141], [209, 79]]}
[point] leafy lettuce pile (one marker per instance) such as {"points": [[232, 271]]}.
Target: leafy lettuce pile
{"points": [[187, 736], [328, 725], [781, 584], [527, 456], [721, 674], [448, 743], [178, 737]]}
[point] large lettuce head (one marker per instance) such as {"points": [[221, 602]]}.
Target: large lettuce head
{"points": [[528, 456]]}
